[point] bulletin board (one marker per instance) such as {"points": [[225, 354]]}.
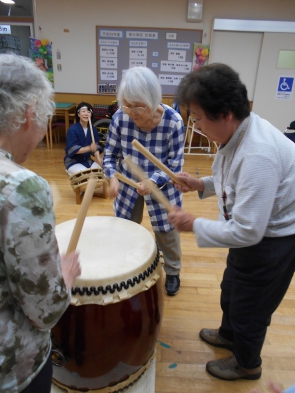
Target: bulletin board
{"points": [[168, 52]]}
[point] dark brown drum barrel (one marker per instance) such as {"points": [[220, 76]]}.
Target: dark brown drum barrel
{"points": [[107, 336]]}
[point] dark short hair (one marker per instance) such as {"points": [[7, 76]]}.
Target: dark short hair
{"points": [[79, 106], [217, 89]]}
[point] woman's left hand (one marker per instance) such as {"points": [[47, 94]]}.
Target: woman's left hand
{"points": [[146, 187]]}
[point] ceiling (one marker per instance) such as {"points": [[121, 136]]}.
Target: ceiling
{"points": [[21, 8]]}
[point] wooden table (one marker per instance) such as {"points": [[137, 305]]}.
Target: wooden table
{"points": [[64, 109]]}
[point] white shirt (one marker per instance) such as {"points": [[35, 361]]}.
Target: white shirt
{"points": [[260, 188]]}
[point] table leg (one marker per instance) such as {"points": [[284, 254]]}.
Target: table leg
{"points": [[67, 121]]}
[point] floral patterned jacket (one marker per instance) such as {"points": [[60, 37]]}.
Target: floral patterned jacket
{"points": [[33, 295]]}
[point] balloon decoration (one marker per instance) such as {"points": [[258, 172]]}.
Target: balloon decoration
{"points": [[41, 53], [201, 54]]}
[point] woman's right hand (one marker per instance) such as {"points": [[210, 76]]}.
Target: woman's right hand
{"points": [[113, 188], [93, 147], [191, 183], [70, 268]]}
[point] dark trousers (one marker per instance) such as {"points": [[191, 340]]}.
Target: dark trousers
{"points": [[254, 283], [42, 382]]}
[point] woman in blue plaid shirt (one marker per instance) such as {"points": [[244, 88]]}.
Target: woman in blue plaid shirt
{"points": [[160, 129]]}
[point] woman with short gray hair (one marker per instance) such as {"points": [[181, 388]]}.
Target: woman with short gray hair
{"points": [[159, 128], [35, 282]]}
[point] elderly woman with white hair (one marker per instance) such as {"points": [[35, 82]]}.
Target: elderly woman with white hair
{"points": [[35, 283], [159, 128]]}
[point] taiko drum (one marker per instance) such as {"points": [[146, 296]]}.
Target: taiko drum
{"points": [[107, 337]]}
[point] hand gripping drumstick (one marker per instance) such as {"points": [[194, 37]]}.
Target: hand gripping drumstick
{"points": [[138, 172], [82, 214], [157, 162]]}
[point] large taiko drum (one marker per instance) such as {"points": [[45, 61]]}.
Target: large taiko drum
{"points": [[107, 337]]}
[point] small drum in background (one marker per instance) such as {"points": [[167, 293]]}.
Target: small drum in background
{"points": [[80, 180], [107, 337]]}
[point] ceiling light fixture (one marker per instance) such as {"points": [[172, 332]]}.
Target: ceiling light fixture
{"points": [[8, 1]]}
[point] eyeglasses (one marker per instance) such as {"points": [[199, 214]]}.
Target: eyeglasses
{"points": [[138, 110]]}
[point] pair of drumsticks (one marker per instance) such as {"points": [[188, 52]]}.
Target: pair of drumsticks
{"points": [[139, 173]]}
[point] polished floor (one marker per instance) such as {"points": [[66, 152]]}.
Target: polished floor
{"points": [[181, 356]]}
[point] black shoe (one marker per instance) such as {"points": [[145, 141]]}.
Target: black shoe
{"points": [[172, 284]]}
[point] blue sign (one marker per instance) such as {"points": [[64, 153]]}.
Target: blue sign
{"points": [[285, 84]]}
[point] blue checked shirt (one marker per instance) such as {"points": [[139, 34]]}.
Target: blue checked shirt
{"points": [[165, 142]]}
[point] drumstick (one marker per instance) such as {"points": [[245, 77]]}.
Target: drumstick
{"points": [[157, 162], [94, 158], [91, 130], [55, 192], [125, 179], [82, 214], [138, 172], [93, 141]]}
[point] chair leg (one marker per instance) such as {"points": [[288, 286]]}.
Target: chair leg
{"points": [[50, 137], [190, 142], [105, 190], [78, 196], [47, 140]]}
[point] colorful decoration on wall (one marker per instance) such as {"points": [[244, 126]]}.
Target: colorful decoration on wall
{"points": [[200, 56], [41, 54]]}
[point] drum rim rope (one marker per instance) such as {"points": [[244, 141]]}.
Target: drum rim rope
{"points": [[118, 287], [119, 387]]}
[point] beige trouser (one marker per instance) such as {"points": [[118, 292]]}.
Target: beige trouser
{"points": [[168, 242]]}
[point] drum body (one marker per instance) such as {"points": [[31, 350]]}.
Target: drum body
{"points": [[107, 337]]}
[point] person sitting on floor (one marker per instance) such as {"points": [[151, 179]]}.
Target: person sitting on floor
{"points": [[79, 144]]}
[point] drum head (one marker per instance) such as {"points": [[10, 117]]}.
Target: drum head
{"points": [[112, 251]]}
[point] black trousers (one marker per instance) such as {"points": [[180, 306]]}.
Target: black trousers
{"points": [[42, 382], [254, 283]]}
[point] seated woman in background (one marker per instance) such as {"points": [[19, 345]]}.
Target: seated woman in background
{"points": [[79, 144]]}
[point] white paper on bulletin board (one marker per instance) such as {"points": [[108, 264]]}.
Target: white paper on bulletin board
{"points": [[109, 75], [168, 52]]}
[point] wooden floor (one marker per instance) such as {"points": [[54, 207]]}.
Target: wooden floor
{"points": [[181, 356]]}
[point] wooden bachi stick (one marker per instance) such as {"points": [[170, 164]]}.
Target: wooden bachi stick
{"points": [[139, 173], [125, 179], [82, 214], [157, 162], [91, 130]]}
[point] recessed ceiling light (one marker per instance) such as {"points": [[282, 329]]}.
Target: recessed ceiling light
{"points": [[7, 1]]}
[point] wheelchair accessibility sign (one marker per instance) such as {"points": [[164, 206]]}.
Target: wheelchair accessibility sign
{"points": [[285, 88]]}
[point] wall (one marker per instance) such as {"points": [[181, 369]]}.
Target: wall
{"points": [[71, 26], [78, 45], [279, 112]]}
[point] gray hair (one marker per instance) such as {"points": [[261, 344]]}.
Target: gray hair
{"points": [[140, 84], [23, 86]]}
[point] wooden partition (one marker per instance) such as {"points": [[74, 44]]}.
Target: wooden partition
{"points": [[107, 100], [104, 100]]}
